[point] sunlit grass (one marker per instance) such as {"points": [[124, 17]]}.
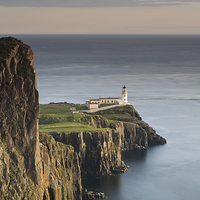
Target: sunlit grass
{"points": [[53, 109], [116, 116], [58, 118], [105, 105], [68, 127], [59, 108]]}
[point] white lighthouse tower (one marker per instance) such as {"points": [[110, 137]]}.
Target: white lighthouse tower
{"points": [[124, 95]]}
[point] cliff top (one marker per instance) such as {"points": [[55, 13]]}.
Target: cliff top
{"points": [[7, 44], [58, 118], [16, 58], [121, 113]]}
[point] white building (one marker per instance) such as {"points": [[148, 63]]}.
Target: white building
{"points": [[94, 103], [124, 95]]}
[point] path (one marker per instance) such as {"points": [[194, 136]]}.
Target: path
{"points": [[99, 109]]}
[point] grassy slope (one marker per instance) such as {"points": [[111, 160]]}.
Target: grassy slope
{"points": [[104, 105], [58, 118], [116, 114]]}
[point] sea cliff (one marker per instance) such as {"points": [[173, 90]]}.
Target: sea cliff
{"points": [[46, 166], [30, 167], [100, 152]]}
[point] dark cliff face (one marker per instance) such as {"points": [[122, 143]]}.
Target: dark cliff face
{"points": [[29, 168], [136, 131], [19, 106], [61, 174], [98, 152]]}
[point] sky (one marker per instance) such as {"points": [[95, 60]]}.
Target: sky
{"points": [[99, 17]]}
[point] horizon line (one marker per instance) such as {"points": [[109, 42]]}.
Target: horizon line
{"points": [[134, 34]]}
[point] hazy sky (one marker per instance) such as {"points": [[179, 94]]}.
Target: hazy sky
{"points": [[99, 17]]}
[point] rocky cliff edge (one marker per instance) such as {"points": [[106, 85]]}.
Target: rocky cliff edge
{"points": [[35, 165], [29, 168], [100, 152]]}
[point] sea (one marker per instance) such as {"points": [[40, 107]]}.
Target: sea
{"points": [[162, 76]]}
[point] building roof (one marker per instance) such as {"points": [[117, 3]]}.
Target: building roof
{"points": [[94, 100], [111, 98]]}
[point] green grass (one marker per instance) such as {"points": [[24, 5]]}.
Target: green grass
{"points": [[104, 105], [121, 113], [81, 107], [53, 109], [68, 127], [8, 44], [59, 108], [58, 118], [116, 116]]}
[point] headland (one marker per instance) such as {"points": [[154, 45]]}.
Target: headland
{"points": [[47, 164]]}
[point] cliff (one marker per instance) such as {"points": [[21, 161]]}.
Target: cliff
{"points": [[100, 152], [136, 131], [35, 165], [29, 168], [61, 175]]}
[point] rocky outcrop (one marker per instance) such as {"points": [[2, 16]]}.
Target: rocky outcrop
{"points": [[61, 174], [137, 133], [92, 195], [135, 137], [98, 152], [97, 121], [29, 169], [153, 138], [19, 111]]}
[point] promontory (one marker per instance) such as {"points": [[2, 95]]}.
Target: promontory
{"points": [[47, 164]]}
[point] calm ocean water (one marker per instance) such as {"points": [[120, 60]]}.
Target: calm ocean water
{"points": [[162, 75]]}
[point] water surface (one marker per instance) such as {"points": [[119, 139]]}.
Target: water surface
{"points": [[162, 75]]}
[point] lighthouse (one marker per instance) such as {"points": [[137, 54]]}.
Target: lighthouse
{"points": [[124, 95]]}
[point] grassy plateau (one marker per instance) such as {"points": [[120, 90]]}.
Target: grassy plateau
{"points": [[59, 118]]}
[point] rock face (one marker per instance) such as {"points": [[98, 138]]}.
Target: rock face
{"points": [[100, 152], [19, 107], [39, 167], [61, 175], [92, 195], [137, 133], [29, 169], [19, 110], [134, 137]]}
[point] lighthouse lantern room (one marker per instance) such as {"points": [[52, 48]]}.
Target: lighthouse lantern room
{"points": [[124, 94]]}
